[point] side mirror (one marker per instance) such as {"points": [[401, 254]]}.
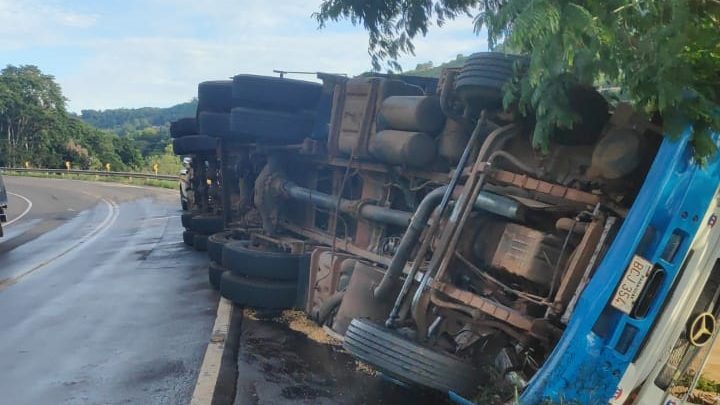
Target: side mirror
{"points": [[183, 172]]}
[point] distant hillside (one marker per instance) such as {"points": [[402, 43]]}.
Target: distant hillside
{"points": [[148, 128], [430, 70], [124, 121]]}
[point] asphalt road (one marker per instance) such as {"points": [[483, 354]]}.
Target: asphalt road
{"points": [[100, 302]]}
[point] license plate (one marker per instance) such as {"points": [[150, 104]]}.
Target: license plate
{"points": [[632, 284]]}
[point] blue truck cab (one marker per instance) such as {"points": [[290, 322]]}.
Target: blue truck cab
{"points": [[603, 337]]}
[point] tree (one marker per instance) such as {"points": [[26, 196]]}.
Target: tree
{"points": [[124, 121], [392, 24], [150, 140], [168, 162], [424, 66], [665, 54], [30, 103], [35, 128], [128, 152]]}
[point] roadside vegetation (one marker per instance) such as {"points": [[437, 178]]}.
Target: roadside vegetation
{"points": [[664, 54], [36, 129], [148, 128], [704, 384], [169, 184]]}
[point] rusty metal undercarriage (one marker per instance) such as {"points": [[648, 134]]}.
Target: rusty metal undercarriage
{"points": [[431, 214]]}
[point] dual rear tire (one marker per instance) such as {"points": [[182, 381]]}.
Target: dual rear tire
{"points": [[258, 292], [260, 277], [198, 227]]}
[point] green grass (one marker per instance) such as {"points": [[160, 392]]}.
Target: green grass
{"points": [[703, 384], [708, 385], [170, 184]]}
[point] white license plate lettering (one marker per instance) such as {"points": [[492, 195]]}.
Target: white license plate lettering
{"points": [[631, 284]]}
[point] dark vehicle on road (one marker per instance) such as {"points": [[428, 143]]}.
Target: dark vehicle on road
{"points": [[3, 204], [185, 184], [416, 222]]}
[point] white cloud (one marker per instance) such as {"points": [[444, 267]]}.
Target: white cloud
{"points": [[171, 45], [30, 23], [235, 16], [76, 20], [159, 72]]}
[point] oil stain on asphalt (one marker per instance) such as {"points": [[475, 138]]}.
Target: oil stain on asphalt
{"points": [[279, 365]]}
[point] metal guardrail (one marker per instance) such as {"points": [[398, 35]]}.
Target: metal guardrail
{"points": [[92, 173]]}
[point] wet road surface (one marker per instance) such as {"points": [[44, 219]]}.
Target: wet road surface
{"points": [[100, 302]]}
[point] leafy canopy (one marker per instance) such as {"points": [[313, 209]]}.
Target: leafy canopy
{"points": [[664, 54]]}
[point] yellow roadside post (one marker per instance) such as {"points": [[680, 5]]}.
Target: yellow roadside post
{"points": [[27, 165], [155, 168], [107, 167], [67, 165]]}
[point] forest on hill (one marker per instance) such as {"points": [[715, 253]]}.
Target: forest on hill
{"points": [[37, 130], [148, 127], [123, 121]]}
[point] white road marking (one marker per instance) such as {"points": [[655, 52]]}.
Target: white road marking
{"points": [[107, 222], [210, 369], [161, 218], [123, 185], [27, 209]]}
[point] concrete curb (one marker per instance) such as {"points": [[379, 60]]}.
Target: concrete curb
{"points": [[209, 375]]}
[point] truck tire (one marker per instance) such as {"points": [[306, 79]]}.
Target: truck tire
{"points": [[243, 259], [183, 127], [192, 144], [492, 73], [498, 59], [275, 93], [214, 124], [215, 96], [189, 237], [215, 272], [185, 219], [215, 244], [257, 292], [271, 126], [483, 76], [207, 224], [200, 242], [407, 361]]}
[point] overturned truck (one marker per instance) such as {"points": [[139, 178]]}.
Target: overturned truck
{"points": [[414, 220]]}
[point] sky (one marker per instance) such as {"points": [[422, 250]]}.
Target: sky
{"points": [[137, 53]]}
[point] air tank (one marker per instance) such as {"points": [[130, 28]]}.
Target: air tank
{"points": [[405, 148]]}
